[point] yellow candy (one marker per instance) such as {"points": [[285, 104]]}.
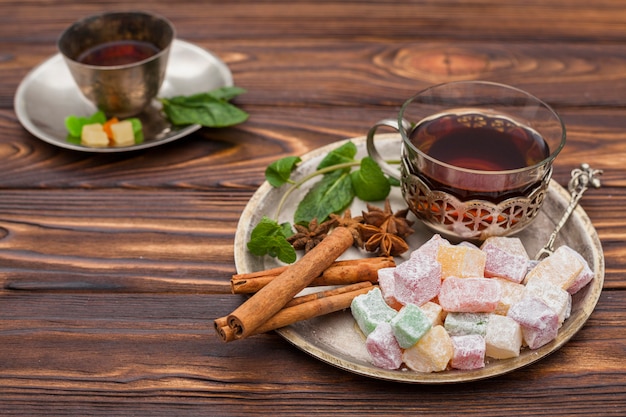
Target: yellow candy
{"points": [[431, 353], [434, 312], [561, 268], [512, 292], [461, 261]]}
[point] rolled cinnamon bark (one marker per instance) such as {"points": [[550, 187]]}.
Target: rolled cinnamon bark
{"points": [[308, 310], [338, 273], [302, 308], [270, 299]]}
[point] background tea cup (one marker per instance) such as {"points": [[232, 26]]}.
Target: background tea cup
{"points": [[124, 89], [476, 158]]}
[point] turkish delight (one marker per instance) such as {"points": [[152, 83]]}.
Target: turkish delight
{"points": [[461, 261], [561, 268], [431, 353], [503, 264], [409, 325], [453, 306], [583, 278], [468, 352], [503, 338], [434, 312], [386, 283], [383, 347], [430, 248], [470, 295], [539, 323], [466, 323], [511, 294], [417, 280], [559, 300], [512, 245], [370, 309]]}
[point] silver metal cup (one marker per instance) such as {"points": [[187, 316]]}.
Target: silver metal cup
{"points": [[118, 90]]}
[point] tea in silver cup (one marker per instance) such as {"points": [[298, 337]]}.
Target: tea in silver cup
{"points": [[118, 60]]}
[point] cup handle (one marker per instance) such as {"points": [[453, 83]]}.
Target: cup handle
{"points": [[373, 152]]}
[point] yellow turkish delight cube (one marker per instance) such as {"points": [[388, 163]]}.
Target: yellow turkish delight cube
{"points": [[93, 135], [512, 292], [561, 268], [461, 261], [123, 134], [431, 353], [434, 312]]}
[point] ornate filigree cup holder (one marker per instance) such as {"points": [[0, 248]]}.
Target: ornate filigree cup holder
{"points": [[472, 219]]}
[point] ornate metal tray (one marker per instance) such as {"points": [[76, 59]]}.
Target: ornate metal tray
{"points": [[333, 338]]}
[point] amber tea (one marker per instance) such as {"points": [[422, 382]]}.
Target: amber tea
{"points": [[477, 141], [115, 53]]}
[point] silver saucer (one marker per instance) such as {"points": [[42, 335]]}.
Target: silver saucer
{"points": [[48, 94], [333, 339]]}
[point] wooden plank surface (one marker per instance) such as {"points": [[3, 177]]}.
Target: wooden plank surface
{"points": [[112, 267]]}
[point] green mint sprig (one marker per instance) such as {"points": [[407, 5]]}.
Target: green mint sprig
{"points": [[333, 193], [210, 109]]}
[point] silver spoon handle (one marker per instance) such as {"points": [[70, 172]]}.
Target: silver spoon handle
{"points": [[582, 178]]}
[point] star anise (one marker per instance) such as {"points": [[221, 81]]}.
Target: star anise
{"points": [[382, 242], [308, 237], [389, 222], [350, 223]]}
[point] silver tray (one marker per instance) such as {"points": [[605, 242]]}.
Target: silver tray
{"points": [[48, 94], [334, 339]]}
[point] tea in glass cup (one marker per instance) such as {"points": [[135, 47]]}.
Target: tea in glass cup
{"points": [[476, 157]]}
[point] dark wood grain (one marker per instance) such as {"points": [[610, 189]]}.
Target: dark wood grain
{"points": [[113, 266]]}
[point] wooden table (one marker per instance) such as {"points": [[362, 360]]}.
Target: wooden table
{"points": [[113, 266]]}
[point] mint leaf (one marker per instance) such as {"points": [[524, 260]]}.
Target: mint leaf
{"points": [[278, 173], [344, 153], [270, 238], [369, 182], [331, 194], [211, 109]]}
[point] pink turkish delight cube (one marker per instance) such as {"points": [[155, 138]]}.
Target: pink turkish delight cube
{"points": [[430, 248], [503, 264], [470, 295], [583, 278], [417, 280], [469, 352], [383, 347], [539, 323], [512, 245], [387, 285]]}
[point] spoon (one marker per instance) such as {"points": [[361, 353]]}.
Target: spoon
{"points": [[582, 179]]}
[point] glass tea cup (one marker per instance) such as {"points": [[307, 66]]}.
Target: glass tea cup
{"points": [[476, 157], [118, 60]]}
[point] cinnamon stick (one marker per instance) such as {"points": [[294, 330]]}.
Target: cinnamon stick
{"points": [[328, 293], [270, 299], [302, 308], [338, 273], [315, 308]]}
